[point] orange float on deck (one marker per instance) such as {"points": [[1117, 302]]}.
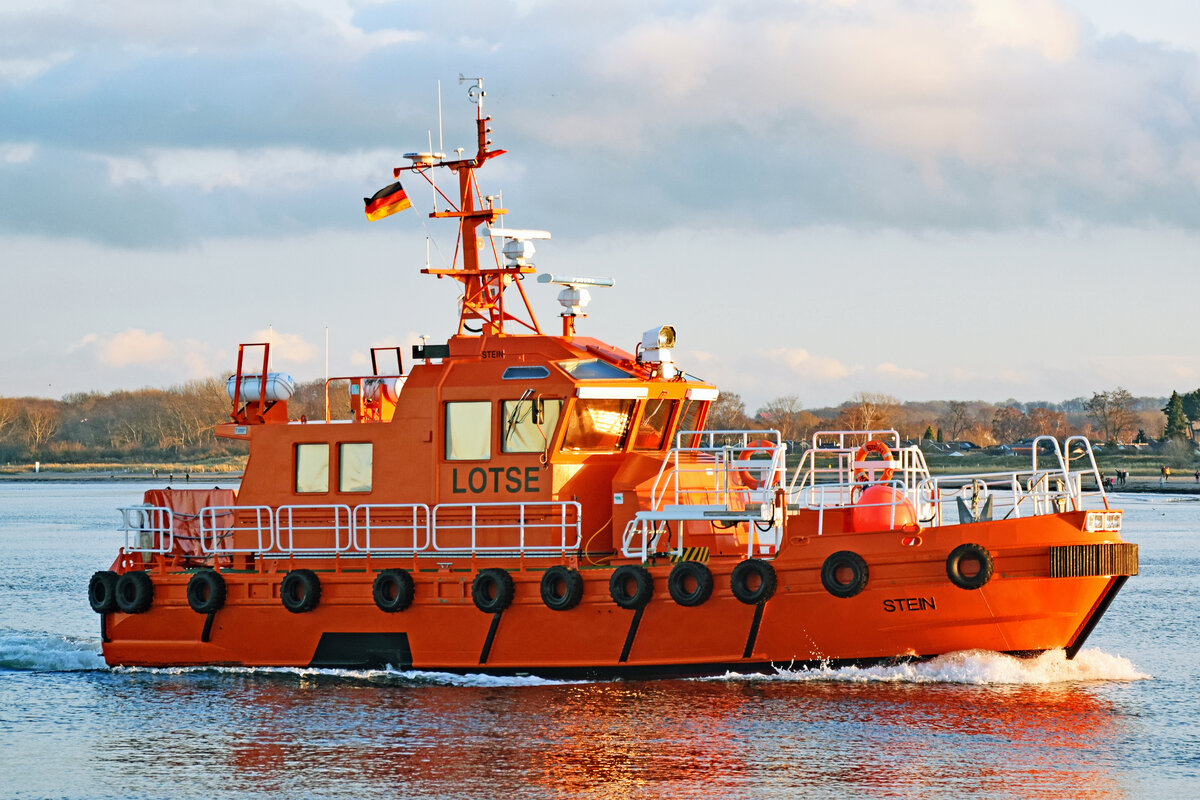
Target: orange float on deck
{"points": [[883, 508]]}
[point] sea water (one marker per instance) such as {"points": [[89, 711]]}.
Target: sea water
{"points": [[1121, 720]]}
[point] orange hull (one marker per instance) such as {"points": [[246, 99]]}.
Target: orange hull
{"points": [[909, 608]]}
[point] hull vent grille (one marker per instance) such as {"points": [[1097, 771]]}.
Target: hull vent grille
{"points": [[1087, 560]]}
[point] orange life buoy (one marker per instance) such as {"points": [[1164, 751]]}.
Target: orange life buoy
{"points": [[744, 475], [879, 448]]}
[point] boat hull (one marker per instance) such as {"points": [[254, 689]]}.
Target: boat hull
{"points": [[909, 608]]}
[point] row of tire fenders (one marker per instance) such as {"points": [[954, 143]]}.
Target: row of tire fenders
{"points": [[690, 583]]}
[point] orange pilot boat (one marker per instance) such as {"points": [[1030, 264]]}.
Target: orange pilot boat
{"points": [[518, 501]]}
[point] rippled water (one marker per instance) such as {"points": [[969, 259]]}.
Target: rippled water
{"points": [[1121, 720]]}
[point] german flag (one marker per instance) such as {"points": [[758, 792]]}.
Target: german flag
{"points": [[386, 201]]}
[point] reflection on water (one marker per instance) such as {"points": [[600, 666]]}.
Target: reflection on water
{"points": [[321, 734]]}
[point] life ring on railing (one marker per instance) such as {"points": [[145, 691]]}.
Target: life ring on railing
{"points": [[492, 590], [747, 477], [631, 586], [562, 588], [393, 590], [972, 554], [690, 583], [879, 448], [300, 591], [206, 591]]}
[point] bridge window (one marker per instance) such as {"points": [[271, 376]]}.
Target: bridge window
{"points": [[598, 425], [468, 431], [523, 433], [312, 468], [354, 467], [656, 422]]}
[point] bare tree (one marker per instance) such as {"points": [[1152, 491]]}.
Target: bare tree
{"points": [[870, 411], [728, 413], [1010, 423], [41, 423], [1112, 412], [786, 415], [955, 420]]}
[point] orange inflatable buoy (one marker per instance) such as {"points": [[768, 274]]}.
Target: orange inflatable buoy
{"points": [[883, 508], [744, 475], [879, 448]]}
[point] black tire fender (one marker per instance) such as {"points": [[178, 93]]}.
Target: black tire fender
{"points": [[135, 592], [393, 590], [835, 564], [102, 592], [635, 577], [690, 583], [300, 591], [562, 588], [206, 591], [753, 581], [969, 552], [492, 590]]}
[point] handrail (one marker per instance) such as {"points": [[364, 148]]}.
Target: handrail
{"points": [[474, 527], [219, 538], [291, 528], [153, 527], [389, 511]]}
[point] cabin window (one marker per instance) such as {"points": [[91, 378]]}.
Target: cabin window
{"points": [[468, 431], [598, 425], [312, 468], [525, 373], [593, 369], [354, 467], [689, 420], [656, 422], [523, 433]]}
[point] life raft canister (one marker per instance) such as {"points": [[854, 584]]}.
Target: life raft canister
{"points": [[862, 474], [883, 508], [748, 477]]}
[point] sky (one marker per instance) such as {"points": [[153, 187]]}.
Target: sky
{"points": [[932, 199]]}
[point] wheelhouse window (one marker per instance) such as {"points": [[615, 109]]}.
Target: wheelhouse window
{"points": [[468, 431], [312, 468], [656, 422], [598, 425], [689, 420], [354, 466], [524, 432]]}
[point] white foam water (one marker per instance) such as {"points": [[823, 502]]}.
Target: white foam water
{"points": [[49, 653], [977, 668]]}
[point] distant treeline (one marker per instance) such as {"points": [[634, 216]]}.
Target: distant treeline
{"points": [[176, 424], [145, 425]]}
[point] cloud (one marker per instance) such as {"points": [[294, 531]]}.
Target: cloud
{"points": [[889, 370], [286, 348], [804, 364], [131, 346]]}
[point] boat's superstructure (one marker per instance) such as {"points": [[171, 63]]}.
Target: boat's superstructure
{"points": [[517, 501]]}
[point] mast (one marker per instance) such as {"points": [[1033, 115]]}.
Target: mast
{"points": [[484, 280]]}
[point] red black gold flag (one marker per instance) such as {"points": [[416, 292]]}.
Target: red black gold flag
{"points": [[386, 201]]}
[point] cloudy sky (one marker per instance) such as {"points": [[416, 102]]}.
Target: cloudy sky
{"points": [[936, 199]]}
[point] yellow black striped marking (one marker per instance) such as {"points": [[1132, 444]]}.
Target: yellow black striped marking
{"points": [[691, 554]]}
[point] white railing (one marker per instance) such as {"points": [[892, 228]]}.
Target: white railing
{"points": [[148, 529], [486, 528], [717, 468], [221, 526], [391, 528], [307, 522]]}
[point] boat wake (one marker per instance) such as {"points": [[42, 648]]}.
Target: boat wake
{"points": [[977, 668], [28, 652]]}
